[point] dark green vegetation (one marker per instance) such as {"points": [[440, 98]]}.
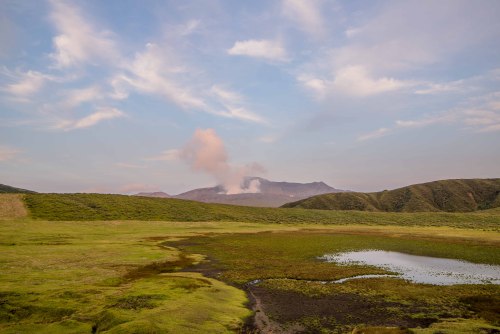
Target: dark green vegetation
{"points": [[446, 195], [5, 189], [291, 294], [88, 207]]}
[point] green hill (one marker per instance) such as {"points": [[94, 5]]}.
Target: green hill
{"points": [[5, 189], [91, 207], [447, 195]]}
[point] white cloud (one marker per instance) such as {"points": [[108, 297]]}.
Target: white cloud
{"points": [[481, 114], [380, 52], [28, 83], [482, 119], [352, 80], [168, 155], [374, 134], [8, 153], [429, 120], [75, 97], [355, 80], [307, 14], [233, 104], [78, 40], [438, 88], [90, 120], [394, 40], [265, 49], [318, 86], [150, 73]]}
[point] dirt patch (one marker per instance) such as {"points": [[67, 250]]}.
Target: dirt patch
{"points": [[12, 206], [336, 312], [487, 307], [156, 268]]}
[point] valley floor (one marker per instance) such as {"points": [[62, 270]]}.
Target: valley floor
{"points": [[193, 277]]}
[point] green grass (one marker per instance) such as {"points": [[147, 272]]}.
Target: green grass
{"points": [[87, 207], [137, 276], [446, 195], [58, 277]]}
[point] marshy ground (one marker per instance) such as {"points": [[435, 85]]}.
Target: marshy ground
{"points": [[192, 277]]}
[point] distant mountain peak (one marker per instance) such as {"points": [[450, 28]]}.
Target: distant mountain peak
{"points": [[264, 193], [159, 194]]}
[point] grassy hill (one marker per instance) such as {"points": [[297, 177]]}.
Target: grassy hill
{"points": [[447, 195], [5, 189], [91, 207]]}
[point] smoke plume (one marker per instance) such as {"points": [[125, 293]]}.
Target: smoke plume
{"points": [[206, 152]]}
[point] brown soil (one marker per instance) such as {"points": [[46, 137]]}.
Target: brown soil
{"points": [[335, 311], [12, 206]]}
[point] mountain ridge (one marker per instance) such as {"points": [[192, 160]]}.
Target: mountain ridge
{"points": [[5, 189], [453, 195], [269, 194]]}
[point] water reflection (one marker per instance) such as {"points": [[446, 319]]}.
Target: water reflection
{"points": [[420, 269]]}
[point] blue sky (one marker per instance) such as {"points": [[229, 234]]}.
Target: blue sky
{"points": [[128, 96]]}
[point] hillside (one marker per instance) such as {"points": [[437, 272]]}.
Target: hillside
{"points": [[447, 195], [5, 189], [268, 193], [92, 207]]}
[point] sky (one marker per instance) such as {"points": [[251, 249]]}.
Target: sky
{"points": [[129, 96]]}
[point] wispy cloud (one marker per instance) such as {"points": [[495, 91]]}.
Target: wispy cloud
{"points": [[79, 41], [374, 134], [480, 114], [8, 153], [150, 73], [26, 83], [167, 155], [263, 48], [90, 120], [234, 105], [75, 97]]}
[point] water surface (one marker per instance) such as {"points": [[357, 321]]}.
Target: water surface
{"points": [[419, 269]]}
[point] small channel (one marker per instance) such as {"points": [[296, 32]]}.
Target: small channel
{"points": [[418, 269]]}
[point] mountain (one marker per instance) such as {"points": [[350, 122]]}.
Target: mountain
{"points": [[266, 193], [159, 194], [5, 189], [462, 195]]}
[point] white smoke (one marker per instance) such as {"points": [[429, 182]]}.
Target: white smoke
{"points": [[206, 152]]}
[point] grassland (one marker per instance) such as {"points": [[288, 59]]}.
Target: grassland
{"points": [[145, 276], [446, 195], [89, 207]]}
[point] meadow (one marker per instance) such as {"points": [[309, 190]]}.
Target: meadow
{"points": [[118, 269]]}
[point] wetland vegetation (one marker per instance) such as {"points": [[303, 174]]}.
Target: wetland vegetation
{"points": [[144, 276]]}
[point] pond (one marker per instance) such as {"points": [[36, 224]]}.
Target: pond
{"points": [[418, 269]]}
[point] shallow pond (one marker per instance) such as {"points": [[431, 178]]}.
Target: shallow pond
{"points": [[419, 269]]}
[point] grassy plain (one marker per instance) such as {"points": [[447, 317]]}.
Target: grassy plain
{"points": [[126, 276]]}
